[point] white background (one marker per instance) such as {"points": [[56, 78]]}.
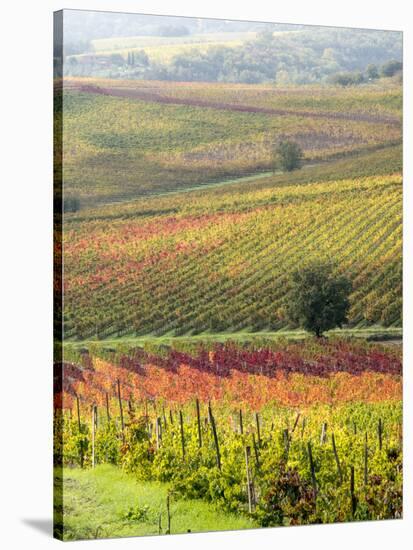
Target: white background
{"points": [[26, 269]]}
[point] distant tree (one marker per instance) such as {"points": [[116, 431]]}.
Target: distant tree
{"points": [[358, 77], [71, 204], [391, 68], [117, 59], [372, 71], [249, 77], [288, 156], [319, 298], [347, 79], [140, 58], [131, 58], [340, 79], [265, 36]]}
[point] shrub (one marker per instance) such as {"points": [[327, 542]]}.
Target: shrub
{"points": [[288, 155], [391, 68]]}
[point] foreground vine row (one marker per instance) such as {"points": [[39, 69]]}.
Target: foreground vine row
{"points": [[272, 433]]}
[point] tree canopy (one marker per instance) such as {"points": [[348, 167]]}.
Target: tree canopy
{"points": [[288, 156], [319, 298]]}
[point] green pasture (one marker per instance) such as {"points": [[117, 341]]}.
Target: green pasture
{"points": [[106, 502]]}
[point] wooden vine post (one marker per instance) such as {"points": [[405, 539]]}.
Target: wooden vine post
{"points": [[296, 422], [352, 493], [78, 413], [249, 483], [323, 437], [131, 408], [214, 433], [257, 421], [107, 408], [257, 456], [146, 415], [303, 425], [312, 468], [181, 424], [380, 433], [340, 472], [81, 453], [94, 427], [366, 458], [168, 515], [241, 425], [121, 413], [158, 433], [198, 419]]}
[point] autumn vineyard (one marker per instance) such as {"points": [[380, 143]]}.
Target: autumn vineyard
{"points": [[188, 394], [321, 423]]}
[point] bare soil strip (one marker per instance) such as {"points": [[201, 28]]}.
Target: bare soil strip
{"points": [[130, 93]]}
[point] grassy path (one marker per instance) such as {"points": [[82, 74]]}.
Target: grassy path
{"points": [[207, 185], [377, 333], [106, 502], [306, 165], [310, 172]]}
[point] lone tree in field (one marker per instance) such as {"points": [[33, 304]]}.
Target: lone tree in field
{"points": [[288, 156], [319, 298]]}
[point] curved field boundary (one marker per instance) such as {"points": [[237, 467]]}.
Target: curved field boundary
{"points": [[154, 97]]}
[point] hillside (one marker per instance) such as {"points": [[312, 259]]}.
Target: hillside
{"points": [[219, 260], [187, 227], [252, 53], [123, 139], [228, 245]]}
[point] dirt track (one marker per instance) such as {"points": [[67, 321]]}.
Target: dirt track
{"points": [[154, 97]]}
